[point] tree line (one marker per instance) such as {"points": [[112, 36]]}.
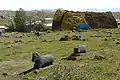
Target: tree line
{"points": [[20, 22]]}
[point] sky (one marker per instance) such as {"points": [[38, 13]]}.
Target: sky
{"points": [[55, 4]]}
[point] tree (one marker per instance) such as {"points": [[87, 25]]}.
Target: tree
{"points": [[19, 20]]}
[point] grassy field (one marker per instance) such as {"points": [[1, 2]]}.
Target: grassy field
{"points": [[16, 51]]}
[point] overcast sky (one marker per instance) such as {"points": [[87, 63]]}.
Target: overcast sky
{"points": [[54, 4]]}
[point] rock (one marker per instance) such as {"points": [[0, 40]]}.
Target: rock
{"points": [[106, 39], [75, 54], [69, 58], [16, 41], [117, 42], [20, 36], [109, 32], [76, 37], [36, 71], [44, 40], [109, 36], [91, 36], [6, 36], [96, 36], [79, 49], [8, 47], [65, 38], [5, 74], [84, 39], [99, 57], [50, 74], [73, 30]]}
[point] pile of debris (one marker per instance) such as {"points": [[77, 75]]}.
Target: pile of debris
{"points": [[66, 20], [57, 19], [100, 20]]}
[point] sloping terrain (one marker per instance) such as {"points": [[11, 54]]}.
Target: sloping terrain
{"points": [[16, 52]]}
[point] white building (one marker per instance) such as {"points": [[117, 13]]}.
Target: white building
{"points": [[118, 21], [48, 19], [3, 28], [48, 24]]}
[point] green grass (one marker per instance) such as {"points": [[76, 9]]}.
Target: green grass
{"points": [[84, 68]]}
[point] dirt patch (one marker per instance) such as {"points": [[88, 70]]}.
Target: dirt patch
{"points": [[9, 70]]}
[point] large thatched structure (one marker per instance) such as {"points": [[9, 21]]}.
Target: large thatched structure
{"points": [[66, 20]]}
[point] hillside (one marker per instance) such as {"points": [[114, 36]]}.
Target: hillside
{"points": [[101, 62], [7, 16]]}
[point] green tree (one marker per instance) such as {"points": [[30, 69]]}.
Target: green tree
{"points": [[19, 20]]}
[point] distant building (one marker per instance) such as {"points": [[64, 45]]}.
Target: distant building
{"points": [[48, 19], [49, 24], [118, 21], [3, 28]]}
